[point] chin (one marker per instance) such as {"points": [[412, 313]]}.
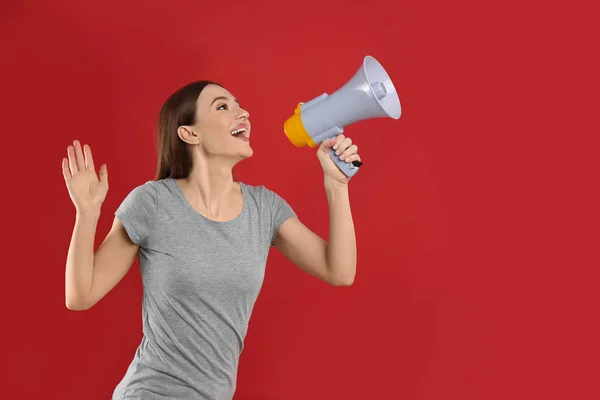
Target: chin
{"points": [[246, 153]]}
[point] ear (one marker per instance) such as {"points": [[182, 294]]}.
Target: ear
{"points": [[188, 135]]}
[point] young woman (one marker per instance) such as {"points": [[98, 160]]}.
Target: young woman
{"points": [[202, 240]]}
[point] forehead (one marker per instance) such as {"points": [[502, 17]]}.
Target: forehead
{"points": [[210, 92]]}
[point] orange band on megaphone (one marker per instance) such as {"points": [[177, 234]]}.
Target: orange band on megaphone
{"points": [[295, 131]]}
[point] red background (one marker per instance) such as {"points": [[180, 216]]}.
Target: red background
{"points": [[476, 212]]}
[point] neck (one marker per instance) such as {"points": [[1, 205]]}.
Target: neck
{"points": [[210, 187]]}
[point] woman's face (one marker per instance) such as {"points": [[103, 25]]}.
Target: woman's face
{"points": [[221, 124]]}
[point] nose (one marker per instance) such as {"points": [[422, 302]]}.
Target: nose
{"points": [[243, 113]]}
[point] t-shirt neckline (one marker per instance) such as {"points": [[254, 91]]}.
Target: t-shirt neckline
{"points": [[187, 204]]}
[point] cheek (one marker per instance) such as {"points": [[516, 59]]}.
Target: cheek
{"points": [[218, 125], [214, 129], [216, 139]]}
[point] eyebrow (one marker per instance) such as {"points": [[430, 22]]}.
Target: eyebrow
{"points": [[223, 98]]}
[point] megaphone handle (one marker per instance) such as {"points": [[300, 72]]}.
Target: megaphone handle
{"points": [[347, 168]]}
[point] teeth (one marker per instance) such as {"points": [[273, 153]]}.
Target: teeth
{"points": [[238, 131]]}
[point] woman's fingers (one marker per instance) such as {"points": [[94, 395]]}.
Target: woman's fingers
{"points": [[353, 149], [89, 160], [72, 161], [79, 156], [65, 169], [80, 159]]}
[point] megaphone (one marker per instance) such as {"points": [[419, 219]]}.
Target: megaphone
{"points": [[369, 94]]}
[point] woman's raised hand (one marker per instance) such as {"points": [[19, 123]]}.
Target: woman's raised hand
{"points": [[87, 190]]}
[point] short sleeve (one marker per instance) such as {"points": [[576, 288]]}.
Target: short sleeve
{"points": [[280, 212], [138, 212]]}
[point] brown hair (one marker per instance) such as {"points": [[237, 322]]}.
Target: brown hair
{"points": [[174, 158]]}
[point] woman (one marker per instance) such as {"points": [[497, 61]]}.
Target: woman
{"points": [[202, 240]]}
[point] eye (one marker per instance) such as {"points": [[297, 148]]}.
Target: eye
{"points": [[221, 106]]}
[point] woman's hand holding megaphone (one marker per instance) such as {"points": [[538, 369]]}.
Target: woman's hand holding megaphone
{"points": [[345, 150]]}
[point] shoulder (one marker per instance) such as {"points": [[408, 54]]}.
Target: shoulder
{"points": [[146, 188], [261, 193], [143, 193], [138, 211], [269, 201], [253, 188]]}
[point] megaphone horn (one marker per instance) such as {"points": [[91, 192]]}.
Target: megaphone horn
{"points": [[369, 94]]}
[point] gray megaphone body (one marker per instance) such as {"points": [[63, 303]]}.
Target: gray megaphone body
{"points": [[369, 94]]}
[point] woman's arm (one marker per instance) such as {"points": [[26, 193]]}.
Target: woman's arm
{"points": [[333, 262], [89, 277], [80, 260], [341, 249]]}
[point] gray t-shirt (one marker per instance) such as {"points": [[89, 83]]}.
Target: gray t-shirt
{"points": [[200, 279]]}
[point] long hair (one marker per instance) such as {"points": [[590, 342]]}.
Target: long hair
{"points": [[174, 158]]}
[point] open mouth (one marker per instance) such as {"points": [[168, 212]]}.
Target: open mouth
{"points": [[240, 134]]}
